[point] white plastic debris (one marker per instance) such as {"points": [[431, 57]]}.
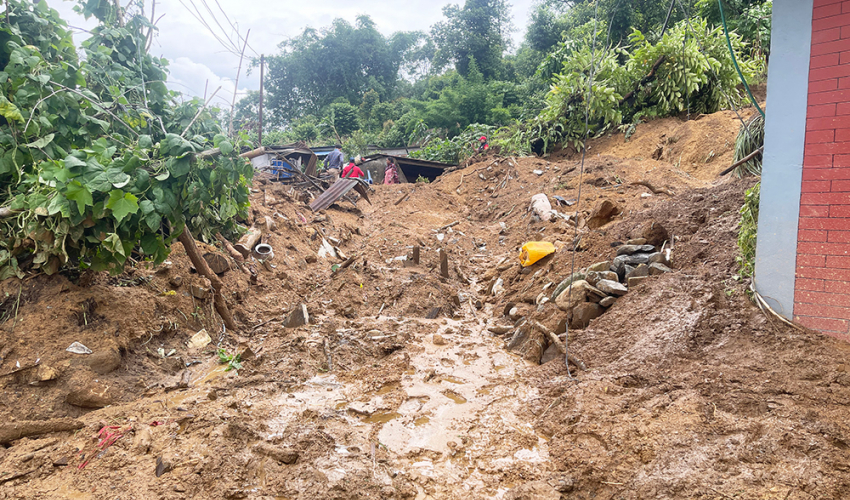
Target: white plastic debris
{"points": [[78, 348], [541, 206], [199, 340], [326, 250]]}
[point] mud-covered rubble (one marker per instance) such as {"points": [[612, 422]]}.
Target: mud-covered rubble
{"points": [[379, 369]]}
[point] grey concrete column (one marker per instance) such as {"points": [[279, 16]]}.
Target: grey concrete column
{"points": [[784, 143]]}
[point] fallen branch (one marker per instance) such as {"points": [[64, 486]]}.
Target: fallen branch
{"points": [[200, 111], [453, 224], [743, 160], [652, 188], [648, 78], [204, 270], [16, 476], [7, 212], [16, 430], [457, 189], [560, 345]]}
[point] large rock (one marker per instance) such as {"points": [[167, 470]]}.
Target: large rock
{"points": [[281, 454], [660, 258], [612, 288], [103, 362], [602, 214], [563, 285], [632, 249], [580, 290], [640, 271], [298, 317], [654, 233], [636, 280], [584, 312], [593, 277], [88, 393], [608, 301], [657, 268], [600, 266], [551, 353]]}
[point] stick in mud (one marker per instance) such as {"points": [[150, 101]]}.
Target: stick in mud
{"points": [[416, 255], [23, 428], [444, 264], [328, 354], [560, 345]]}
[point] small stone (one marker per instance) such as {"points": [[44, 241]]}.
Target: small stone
{"points": [[608, 301], [653, 232], [60, 462], [600, 266], [566, 283], [176, 281], [638, 272], [632, 249], [438, 339], [635, 280], [311, 258], [537, 172], [163, 465], [199, 292], [44, 373], [584, 312], [637, 241], [657, 268], [612, 288], [298, 317]]}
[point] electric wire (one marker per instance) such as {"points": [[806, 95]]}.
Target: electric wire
{"points": [[580, 176]]}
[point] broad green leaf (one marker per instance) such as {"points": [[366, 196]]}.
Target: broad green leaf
{"points": [[145, 142], [150, 243], [147, 206], [179, 166], [59, 204], [226, 147], [9, 110], [80, 194], [122, 204], [113, 243], [40, 143], [117, 177]]}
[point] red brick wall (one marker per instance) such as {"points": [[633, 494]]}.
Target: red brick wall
{"points": [[822, 288]]}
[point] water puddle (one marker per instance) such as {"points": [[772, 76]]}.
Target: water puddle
{"points": [[381, 417], [453, 380], [388, 388], [457, 398], [419, 422]]}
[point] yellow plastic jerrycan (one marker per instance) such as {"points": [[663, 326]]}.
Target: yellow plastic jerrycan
{"points": [[534, 251]]}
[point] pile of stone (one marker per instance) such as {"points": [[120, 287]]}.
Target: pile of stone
{"points": [[598, 287]]}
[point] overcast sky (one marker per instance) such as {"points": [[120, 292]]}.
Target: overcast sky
{"points": [[196, 57]]}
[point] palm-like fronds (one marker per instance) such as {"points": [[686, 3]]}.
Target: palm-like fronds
{"points": [[746, 143]]}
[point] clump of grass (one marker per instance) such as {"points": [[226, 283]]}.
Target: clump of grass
{"points": [[746, 143]]}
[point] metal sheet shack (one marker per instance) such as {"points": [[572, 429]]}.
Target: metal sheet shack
{"points": [[410, 169]]}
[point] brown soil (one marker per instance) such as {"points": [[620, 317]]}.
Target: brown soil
{"points": [[690, 392]]}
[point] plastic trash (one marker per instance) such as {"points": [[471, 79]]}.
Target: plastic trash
{"points": [[541, 206], [534, 251], [78, 348]]}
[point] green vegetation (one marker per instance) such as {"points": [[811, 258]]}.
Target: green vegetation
{"points": [[233, 361], [351, 84], [98, 161], [747, 232]]}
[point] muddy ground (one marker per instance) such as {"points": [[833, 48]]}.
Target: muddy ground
{"points": [[398, 387]]}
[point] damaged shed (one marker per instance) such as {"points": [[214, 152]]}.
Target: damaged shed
{"points": [[410, 169]]}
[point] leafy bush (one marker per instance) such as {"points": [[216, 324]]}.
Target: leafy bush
{"points": [[96, 160]]}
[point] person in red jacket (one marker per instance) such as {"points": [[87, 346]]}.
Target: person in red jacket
{"points": [[351, 170]]}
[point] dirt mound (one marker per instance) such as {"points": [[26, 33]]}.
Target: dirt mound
{"points": [[401, 386]]}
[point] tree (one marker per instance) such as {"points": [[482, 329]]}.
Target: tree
{"points": [[341, 61], [480, 31]]}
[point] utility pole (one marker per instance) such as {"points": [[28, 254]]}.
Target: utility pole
{"points": [[260, 132]]}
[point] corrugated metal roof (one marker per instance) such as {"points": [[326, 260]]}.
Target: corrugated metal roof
{"points": [[335, 192], [406, 160]]}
